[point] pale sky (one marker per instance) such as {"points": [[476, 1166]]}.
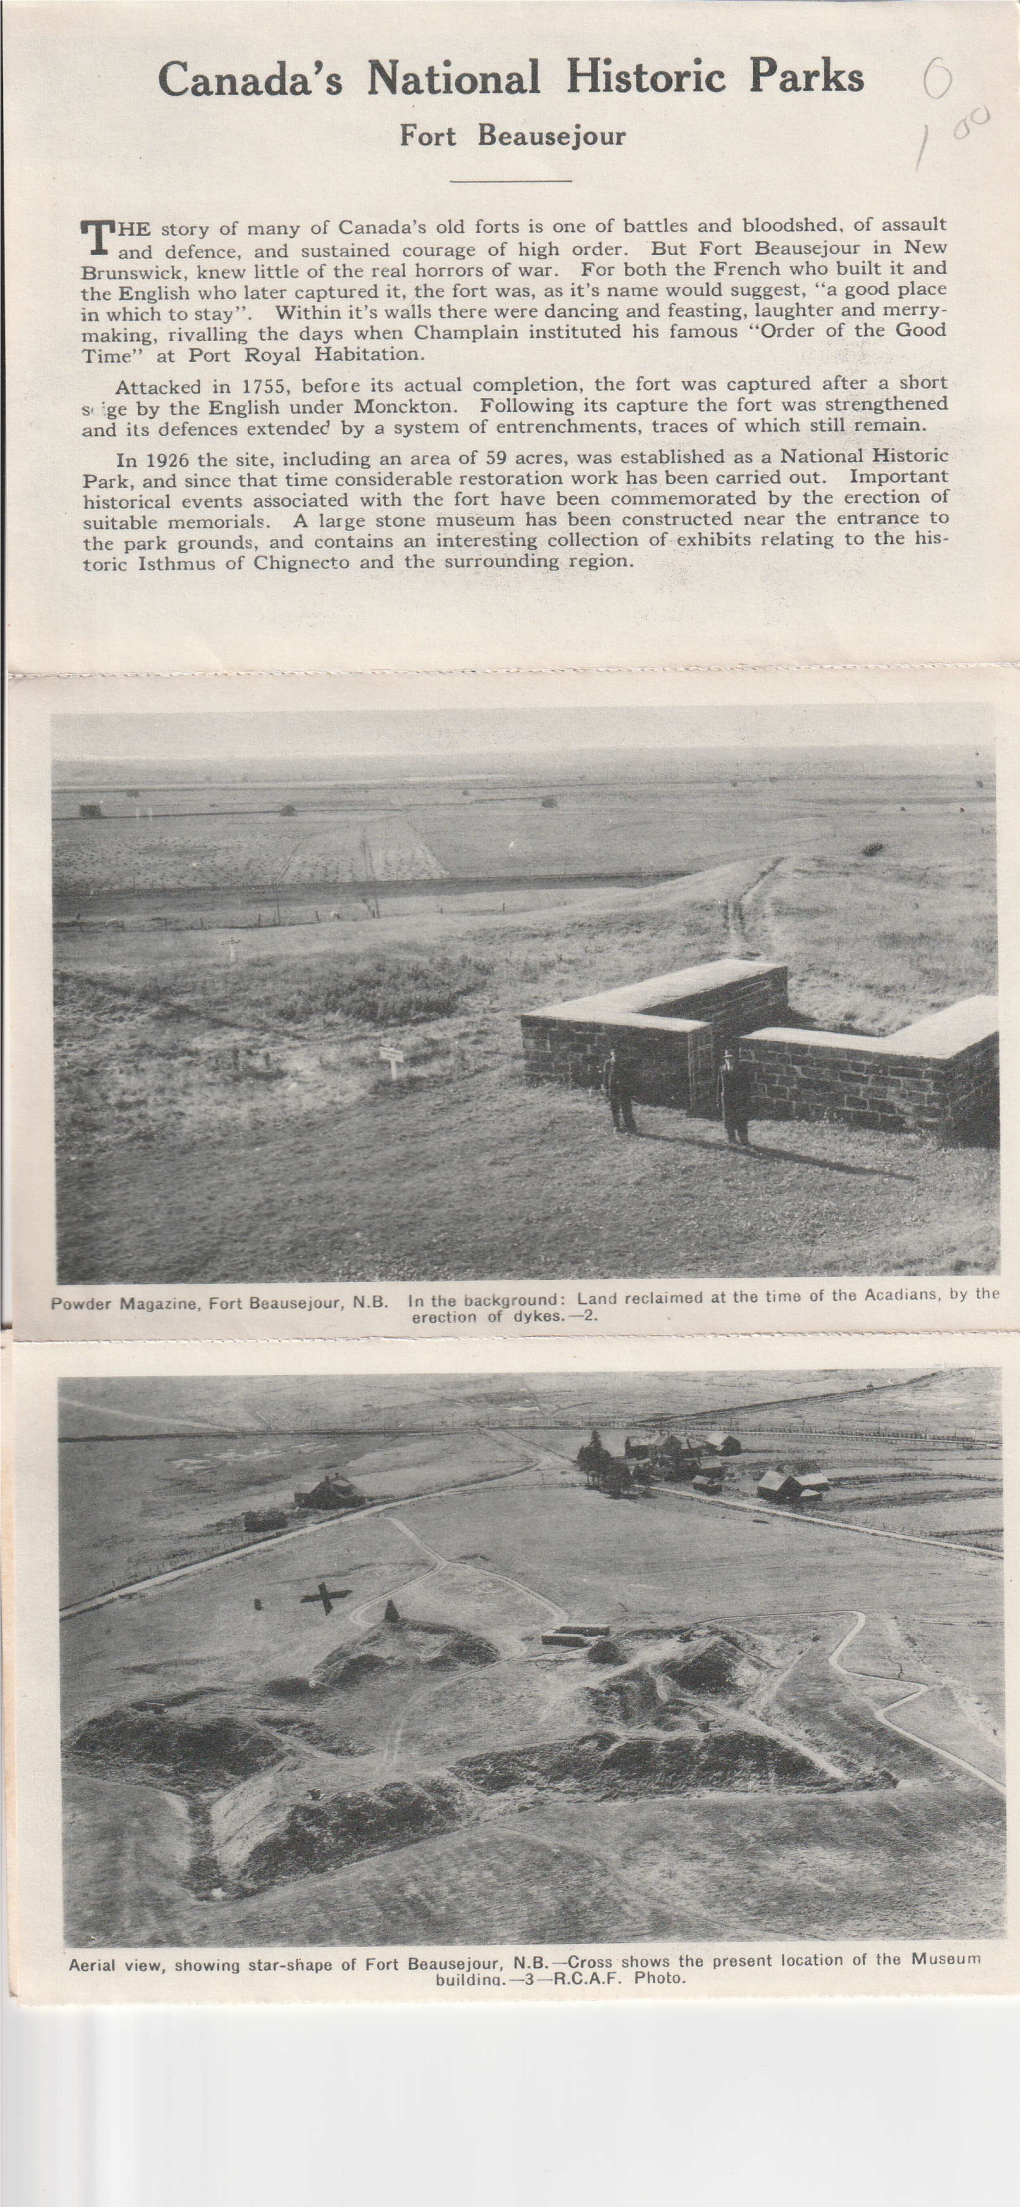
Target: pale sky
{"points": [[438, 738]]}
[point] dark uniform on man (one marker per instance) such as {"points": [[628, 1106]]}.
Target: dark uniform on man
{"points": [[619, 1094], [734, 1099]]}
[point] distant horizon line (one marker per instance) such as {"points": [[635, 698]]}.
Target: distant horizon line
{"points": [[573, 762]]}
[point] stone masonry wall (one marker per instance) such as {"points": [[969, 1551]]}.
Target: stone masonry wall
{"points": [[704, 1058], [862, 1082], [669, 1031], [974, 1082], [665, 1059], [938, 1074], [757, 999]]}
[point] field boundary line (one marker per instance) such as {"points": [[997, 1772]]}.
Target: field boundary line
{"points": [[840, 1524], [565, 1424]]}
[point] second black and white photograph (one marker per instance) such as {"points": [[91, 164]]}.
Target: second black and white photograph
{"points": [[461, 1662]]}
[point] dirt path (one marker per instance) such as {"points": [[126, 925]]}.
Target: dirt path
{"points": [[737, 910], [916, 1687], [389, 1592], [394, 1740], [451, 1563]]}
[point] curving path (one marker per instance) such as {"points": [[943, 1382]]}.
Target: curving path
{"points": [[917, 1688], [450, 1562]]}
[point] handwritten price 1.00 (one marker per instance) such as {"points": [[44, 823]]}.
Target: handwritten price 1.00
{"points": [[938, 81]]}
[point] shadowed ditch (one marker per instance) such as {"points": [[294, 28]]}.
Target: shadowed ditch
{"points": [[239, 1778]]}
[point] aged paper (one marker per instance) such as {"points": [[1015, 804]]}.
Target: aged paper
{"points": [[588, 337], [439, 1672], [514, 799], [317, 1019]]}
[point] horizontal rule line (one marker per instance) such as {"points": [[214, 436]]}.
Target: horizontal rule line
{"points": [[511, 179]]}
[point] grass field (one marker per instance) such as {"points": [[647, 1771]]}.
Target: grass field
{"points": [[146, 1485], [632, 810], [226, 1108], [241, 1767]]}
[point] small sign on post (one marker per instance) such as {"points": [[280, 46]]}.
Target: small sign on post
{"points": [[393, 1058]]}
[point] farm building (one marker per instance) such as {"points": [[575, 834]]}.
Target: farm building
{"points": [[721, 1444], [669, 1458], [332, 1493], [786, 1485]]}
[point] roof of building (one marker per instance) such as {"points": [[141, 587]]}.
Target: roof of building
{"points": [[805, 1482], [773, 1482]]}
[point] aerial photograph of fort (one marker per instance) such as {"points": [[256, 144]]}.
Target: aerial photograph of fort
{"points": [[433, 1661], [367, 996]]}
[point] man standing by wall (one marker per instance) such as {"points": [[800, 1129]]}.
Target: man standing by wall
{"points": [[619, 1095], [734, 1088]]}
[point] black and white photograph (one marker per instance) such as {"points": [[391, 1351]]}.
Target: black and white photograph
{"points": [[525, 994], [461, 1661]]}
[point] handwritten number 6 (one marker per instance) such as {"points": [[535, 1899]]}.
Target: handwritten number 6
{"points": [[934, 89]]}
